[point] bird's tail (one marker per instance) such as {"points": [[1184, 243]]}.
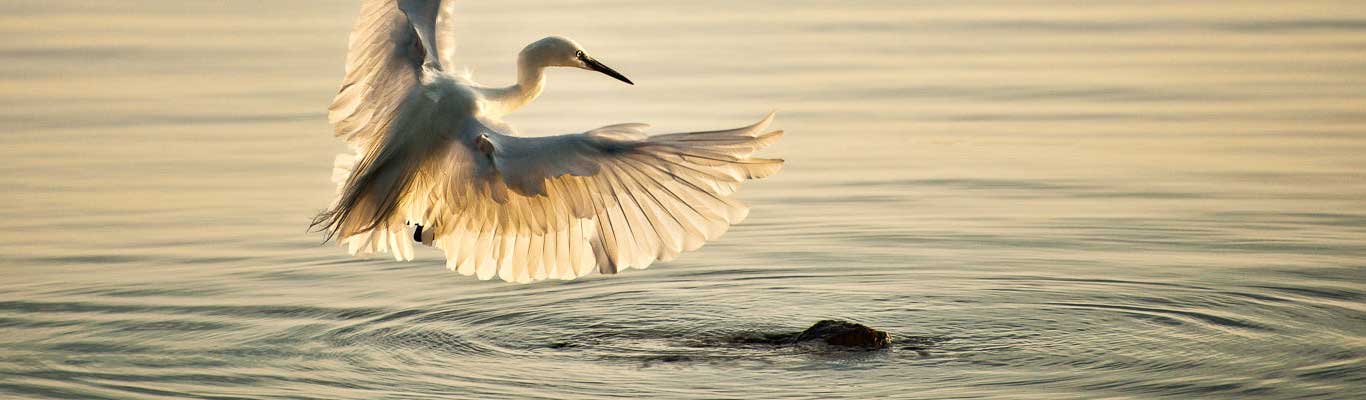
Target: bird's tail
{"points": [[363, 215]]}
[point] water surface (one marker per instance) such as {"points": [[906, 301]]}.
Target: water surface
{"points": [[1053, 199]]}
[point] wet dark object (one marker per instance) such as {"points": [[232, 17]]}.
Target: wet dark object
{"points": [[831, 332], [845, 333]]}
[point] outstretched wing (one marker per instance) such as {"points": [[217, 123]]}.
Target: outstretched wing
{"points": [[526, 209], [390, 44]]}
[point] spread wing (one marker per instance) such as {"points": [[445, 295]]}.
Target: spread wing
{"points": [[608, 199], [531, 208], [391, 43]]}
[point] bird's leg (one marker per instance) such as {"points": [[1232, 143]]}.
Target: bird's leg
{"points": [[484, 145], [422, 235]]}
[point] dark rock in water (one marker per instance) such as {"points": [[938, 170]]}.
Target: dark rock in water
{"points": [[831, 332], [845, 333]]}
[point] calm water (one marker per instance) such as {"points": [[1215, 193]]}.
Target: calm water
{"points": [[1120, 199]]}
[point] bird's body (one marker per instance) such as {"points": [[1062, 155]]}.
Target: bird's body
{"points": [[434, 162]]}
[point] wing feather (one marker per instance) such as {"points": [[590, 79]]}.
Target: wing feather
{"points": [[605, 200], [389, 44]]}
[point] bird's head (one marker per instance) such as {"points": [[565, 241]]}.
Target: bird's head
{"points": [[556, 51]]}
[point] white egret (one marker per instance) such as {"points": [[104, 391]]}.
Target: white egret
{"points": [[434, 162]]}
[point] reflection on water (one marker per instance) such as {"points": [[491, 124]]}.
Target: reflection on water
{"points": [[1048, 200]]}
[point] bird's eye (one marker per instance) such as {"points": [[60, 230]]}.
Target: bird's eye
{"points": [[578, 54]]}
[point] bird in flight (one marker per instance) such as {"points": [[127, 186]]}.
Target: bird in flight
{"points": [[434, 163]]}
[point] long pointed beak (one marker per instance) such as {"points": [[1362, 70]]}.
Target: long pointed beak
{"points": [[597, 66]]}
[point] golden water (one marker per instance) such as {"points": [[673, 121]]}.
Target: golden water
{"points": [[1054, 199]]}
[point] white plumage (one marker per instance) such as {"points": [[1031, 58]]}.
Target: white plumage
{"points": [[431, 151]]}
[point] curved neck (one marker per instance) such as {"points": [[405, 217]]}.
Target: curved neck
{"points": [[530, 82]]}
